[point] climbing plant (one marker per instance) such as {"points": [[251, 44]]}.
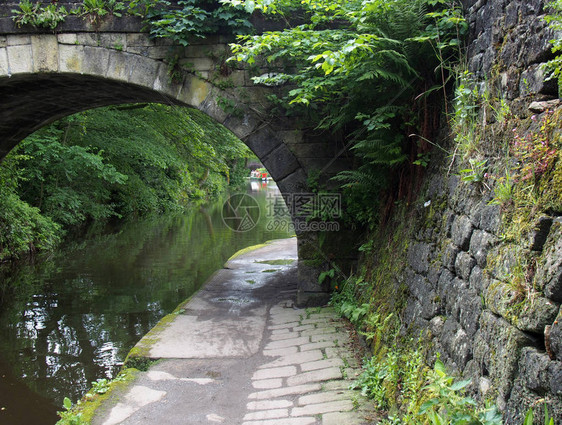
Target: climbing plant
{"points": [[366, 70], [195, 19]]}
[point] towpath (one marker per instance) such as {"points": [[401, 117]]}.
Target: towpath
{"points": [[240, 353]]}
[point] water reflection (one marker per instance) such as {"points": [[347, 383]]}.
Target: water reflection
{"points": [[72, 318]]}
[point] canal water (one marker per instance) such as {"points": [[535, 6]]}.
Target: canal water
{"points": [[72, 317]]}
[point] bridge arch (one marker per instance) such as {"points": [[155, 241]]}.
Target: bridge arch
{"points": [[44, 77]]}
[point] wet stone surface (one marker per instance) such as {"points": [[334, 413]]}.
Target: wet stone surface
{"points": [[240, 352]]}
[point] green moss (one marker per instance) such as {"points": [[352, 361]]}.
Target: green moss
{"points": [[247, 249], [317, 262], [87, 407], [280, 262], [142, 349], [270, 271]]}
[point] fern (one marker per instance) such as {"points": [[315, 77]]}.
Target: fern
{"points": [[355, 67]]}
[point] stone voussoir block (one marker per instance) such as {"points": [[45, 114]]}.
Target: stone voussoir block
{"points": [[20, 58]]}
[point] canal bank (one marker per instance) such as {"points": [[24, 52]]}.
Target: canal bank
{"points": [[239, 352]]}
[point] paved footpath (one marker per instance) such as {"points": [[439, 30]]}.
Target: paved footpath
{"points": [[240, 353]]}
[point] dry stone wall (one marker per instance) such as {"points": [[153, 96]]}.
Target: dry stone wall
{"points": [[462, 270]]}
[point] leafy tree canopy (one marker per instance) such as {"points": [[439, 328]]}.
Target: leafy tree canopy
{"points": [[361, 68], [111, 162]]}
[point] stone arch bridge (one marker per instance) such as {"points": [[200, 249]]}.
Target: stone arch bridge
{"points": [[46, 75]]}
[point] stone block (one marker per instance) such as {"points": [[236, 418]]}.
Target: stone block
{"points": [[321, 408], [461, 232], [444, 284], [412, 314], [45, 53], [194, 92], [464, 263], [549, 269], [71, 58], [538, 236], [418, 257], [449, 256], [266, 414], [280, 162], [476, 280], [490, 218], [19, 58], [269, 404], [294, 183], [118, 67], [304, 420], [325, 397], [4, 70], [141, 51], [457, 343], [317, 346], [164, 84], [282, 336], [480, 244], [274, 345], [470, 308], [115, 41], [425, 296], [18, 40], [206, 51], [96, 61], [436, 325], [454, 297], [533, 368], [285, 391], [555, 338], [67, 38], [315, 376], [280, 352], [295, 359], [267, 384], [275, 372], [88, 39], [143, 71], [522, 398], [497, 346], [263, 142], [197, 64], [321, 364], [242, 124], [499, 297], [139, 40], [533, 82], [539, 313]]}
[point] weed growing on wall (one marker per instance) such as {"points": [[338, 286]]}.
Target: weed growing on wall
{"points": [[39, 16]]}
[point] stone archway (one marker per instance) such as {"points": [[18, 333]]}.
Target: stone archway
{"points": [[44, 77]]}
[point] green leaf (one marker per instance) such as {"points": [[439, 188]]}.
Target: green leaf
{"points": [[67, 404], [250, 6], [427, 405], [460, 385], [440, 368], [529, 417]]}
